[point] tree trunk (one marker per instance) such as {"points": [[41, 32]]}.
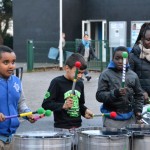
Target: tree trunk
{"points": [[1, 40]]}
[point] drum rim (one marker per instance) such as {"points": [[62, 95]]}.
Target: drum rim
{"points": [[34, 134], [117, 132]]}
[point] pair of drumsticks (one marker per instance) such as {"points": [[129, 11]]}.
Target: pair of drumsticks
{"points": [[42, 113]]}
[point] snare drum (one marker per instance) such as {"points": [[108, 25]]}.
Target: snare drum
{"points": [[96, 138], [140, 136], [41, 141]]}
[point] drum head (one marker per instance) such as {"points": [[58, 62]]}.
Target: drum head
{"points": [[41, 134], [94, 131], [114, 131]]}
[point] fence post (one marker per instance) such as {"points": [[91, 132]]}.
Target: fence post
{"points": [[101, 55], [107, 52], [30, 55]]}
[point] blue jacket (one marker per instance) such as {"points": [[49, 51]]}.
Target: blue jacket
{"points": [[11, 103]]}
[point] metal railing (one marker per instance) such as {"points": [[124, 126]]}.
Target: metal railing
{"points": [[37, 54]]}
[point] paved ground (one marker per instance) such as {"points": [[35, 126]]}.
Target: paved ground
{"points": [[35, 85]]}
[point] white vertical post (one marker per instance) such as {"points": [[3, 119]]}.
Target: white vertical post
{"points": [[83, 28], [103, 44], [89, 28], [60, 38]]}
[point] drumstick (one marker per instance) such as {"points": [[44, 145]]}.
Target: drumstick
{"points": [[77, 65], [125, 56], [39, 111], [111, 115], [47, 114]]}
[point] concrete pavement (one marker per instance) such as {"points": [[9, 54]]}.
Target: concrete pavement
{"points": [[35, 85]]}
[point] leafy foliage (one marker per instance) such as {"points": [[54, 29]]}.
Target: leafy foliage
{"points": [[5, 17]]}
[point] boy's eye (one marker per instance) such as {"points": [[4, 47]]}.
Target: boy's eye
{"points": [[147, 39], [6, 62], [117, 58], [13, 62]]}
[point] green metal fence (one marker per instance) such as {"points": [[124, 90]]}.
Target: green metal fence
{"points": [[37, 54]]}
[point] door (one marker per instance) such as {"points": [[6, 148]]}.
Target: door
{"points": [[86, 28]]}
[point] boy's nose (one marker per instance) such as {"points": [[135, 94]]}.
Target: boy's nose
{"points": [[11, 65], [120, 61]]}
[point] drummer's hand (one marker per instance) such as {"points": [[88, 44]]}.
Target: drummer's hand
{"points": [[139, 121], [31, 119], [120, 92], [146, 98], [138, 116], [145, 95], [2, 117], [88, 114], [123, 91], [68, 103]]}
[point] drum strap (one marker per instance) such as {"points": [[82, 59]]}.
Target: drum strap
{"points": [[6, 139]]}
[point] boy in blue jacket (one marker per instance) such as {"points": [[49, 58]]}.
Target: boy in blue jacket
{"points": [[12, 100]]}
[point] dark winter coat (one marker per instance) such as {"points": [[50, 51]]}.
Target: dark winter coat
{"points": [[111, 79], [141, 67]]}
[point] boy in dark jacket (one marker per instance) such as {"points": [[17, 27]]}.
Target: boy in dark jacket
{"points": [[126, 101]]}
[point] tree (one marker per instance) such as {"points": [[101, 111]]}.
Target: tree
{"points": [[5, 17]]}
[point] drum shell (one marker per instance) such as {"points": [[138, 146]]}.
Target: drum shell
{"points": [[102, 142], [41, 141], [141, 142], [140, 136]]}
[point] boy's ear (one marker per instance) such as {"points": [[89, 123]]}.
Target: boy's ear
{"points": [[66, 67]]}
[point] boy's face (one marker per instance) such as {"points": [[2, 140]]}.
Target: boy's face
{"points": [[146, 40], [70, 73], [86, 37], [7, 64], [118, 60]]}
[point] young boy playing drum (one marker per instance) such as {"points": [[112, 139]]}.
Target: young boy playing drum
{"points": [[68, 108], [126, 101], [12, 100]]}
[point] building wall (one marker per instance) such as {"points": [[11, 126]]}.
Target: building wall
{"points": [[34, 19], [117, 10], [72, 18], [39, 19]]}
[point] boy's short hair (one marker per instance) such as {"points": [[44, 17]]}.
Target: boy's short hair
{"points": [[76, 57], [4, 48], [121, 48]]}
